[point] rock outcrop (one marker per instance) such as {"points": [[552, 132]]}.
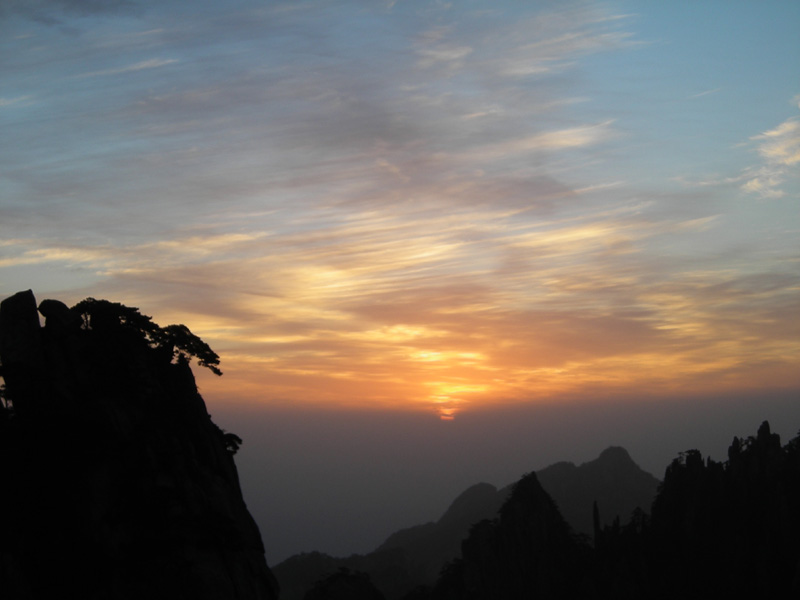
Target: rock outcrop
{"points": [[116, 482]]}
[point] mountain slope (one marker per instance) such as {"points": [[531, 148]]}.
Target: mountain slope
{"points": [[528, 551], [613, 480]]}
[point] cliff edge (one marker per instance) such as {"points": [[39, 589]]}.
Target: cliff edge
{"points": [[117, 483]]}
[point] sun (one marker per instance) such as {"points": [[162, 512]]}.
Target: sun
{"points": [[448, 397]]}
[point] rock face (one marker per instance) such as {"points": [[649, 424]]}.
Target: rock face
{"points": [[116, 483]]}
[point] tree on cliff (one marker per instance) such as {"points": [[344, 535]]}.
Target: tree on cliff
{"points": [[117, 484], [177, 340]]}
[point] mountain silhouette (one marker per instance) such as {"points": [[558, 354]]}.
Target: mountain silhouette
{"points": [[717, 530], [528, 551], [116, 482], [613, 480], [414, 556]]}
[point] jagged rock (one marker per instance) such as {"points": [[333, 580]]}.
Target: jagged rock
{"points": [[59, 318], [21, 351], [117, 483]]}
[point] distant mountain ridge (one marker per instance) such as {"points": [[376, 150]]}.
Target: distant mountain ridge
{"points": [[415, 555], [613, 480], [716, 530]]}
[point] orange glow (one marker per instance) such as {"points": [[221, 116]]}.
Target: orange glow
{"points": [[391, 373], [475, 211], [417, 320]]}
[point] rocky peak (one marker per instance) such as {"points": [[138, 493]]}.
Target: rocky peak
{"points": [[616, 455], [470, 503]]}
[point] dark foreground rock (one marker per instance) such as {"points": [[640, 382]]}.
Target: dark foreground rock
{"points": [[116, 482]]}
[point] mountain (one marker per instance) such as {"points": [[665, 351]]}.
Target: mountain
{"points": [[613, 480], [528, 551], [724, 530], [428, 547], [116, 482], [415, 556]]}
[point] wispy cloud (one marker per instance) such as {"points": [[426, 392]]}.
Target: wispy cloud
{"points": [[779, 149], [12, 101], [447, 311], [153, 63], [355, 205], [705, 93]]}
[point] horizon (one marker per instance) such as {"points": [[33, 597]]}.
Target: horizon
{"points": [[340, 482], [485, 236]]}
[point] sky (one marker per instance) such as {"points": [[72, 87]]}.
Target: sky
{"points": [[432, 242]]}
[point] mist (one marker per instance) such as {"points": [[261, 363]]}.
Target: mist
{"points": [[340, 481]]}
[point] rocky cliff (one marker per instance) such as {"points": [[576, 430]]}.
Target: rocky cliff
{"points": [[116, 482]]}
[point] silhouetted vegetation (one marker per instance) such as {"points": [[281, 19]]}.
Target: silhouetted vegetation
{"points": [[175, 340], [344, 585], [117, 483], [726, 529], [729, 528]]}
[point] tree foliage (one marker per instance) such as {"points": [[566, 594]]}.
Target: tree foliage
{"points": [[107, 317]]}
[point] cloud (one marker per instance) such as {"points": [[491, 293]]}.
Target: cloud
{"points": [[12, 101], [385, 307], [434, 221], [563, 139], [782, 144], [779, 149], [705, 93], [153, 63]]}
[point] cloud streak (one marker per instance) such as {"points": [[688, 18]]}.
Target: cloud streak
{"points": [[779, 149], [152, 63]]}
